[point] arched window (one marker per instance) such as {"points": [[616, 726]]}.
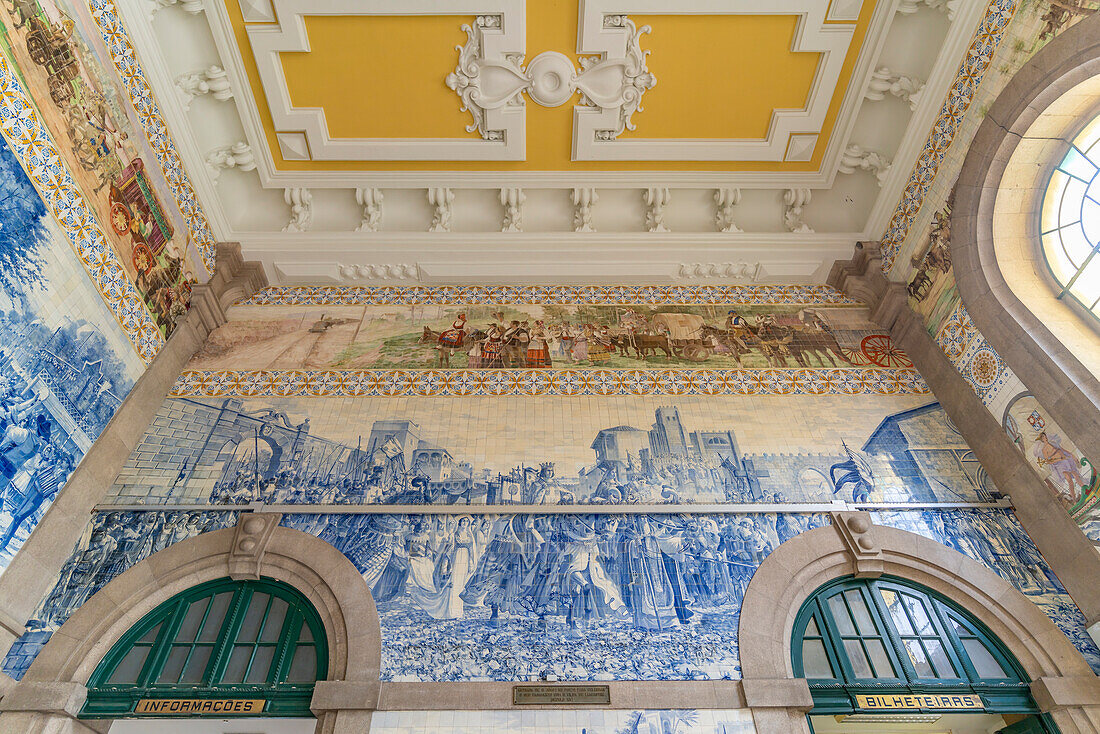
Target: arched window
{"points": [[1070, 220], [224, 648], [887, 636]]}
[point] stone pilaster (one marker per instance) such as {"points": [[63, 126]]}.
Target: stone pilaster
{"points": [[1059, 539]]}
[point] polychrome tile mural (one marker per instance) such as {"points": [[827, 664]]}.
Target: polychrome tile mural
{"points": [[65, 363], [60, 56], [569, 721], [1069, 474], [552, 450]]}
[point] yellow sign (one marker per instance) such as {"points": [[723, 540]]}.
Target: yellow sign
{"points": [[921, 701], [179, 706]]}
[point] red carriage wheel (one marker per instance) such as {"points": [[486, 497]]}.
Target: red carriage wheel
{"points": [[855, 357], [880, 350], [120, 218]]}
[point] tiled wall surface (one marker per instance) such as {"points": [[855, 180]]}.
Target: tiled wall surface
{"points": [[1068, 474], [482, 593], [550, 721], [65, 363]]}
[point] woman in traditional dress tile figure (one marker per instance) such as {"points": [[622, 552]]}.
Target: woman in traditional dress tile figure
{"points": [[580, 345], [538, 350], [453, 569], [492, 350], [599, 344]]}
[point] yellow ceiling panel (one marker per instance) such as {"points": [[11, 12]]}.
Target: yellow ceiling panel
{"points": [[383, 76]]}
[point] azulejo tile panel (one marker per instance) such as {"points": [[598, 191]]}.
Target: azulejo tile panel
{"points": [[527, 450], [967, 80], [83, 105], [141, 97], [433, 383], [1067, 473], [558, 721], [803, 295], [31, 142], [65, 363]]}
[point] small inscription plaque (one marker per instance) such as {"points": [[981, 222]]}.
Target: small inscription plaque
{"points": [[592, 695]]}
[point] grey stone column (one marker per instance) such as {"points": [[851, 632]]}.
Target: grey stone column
{"points": [[35, 568], [48, 707], [779, 706], [1067, 550]]}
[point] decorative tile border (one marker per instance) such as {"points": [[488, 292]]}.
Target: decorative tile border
{"points": [[32, 144], [122, 52], [765, 295], [978, 57], [461, 383]]}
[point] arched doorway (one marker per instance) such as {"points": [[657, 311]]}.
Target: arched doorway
{"points": [[888, 654], [222, 649]]}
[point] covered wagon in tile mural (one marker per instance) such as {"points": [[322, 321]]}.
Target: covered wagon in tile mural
{"points": [[687, 335]]}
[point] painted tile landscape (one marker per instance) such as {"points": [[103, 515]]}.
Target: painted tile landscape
{"points": [[552, 450], [65, 363], [57, 49], [547, 335]]}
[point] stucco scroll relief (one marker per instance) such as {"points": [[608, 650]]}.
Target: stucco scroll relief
{"points": [[488, 82]]}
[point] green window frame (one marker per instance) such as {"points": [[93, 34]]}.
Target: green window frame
{"points": [[223, 639], [891, 636]]}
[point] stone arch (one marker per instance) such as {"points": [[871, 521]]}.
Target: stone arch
{"points": [[251, 549], [1053, 346], [230, 447], [1064, 684]]}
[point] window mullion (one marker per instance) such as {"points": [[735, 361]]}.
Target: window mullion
{"points": [[224, 644], [288, 642], [158, 656], [891, 636]]}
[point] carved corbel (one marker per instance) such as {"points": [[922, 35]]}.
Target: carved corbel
{"points": [[250, 539], [583, 201], [796, 200], [726, 199], [656, 199], [857, 157], [300, 202], [857, 531], [239, 156], [371, 201], [884, 81], [512, 201], [442, 200], [212, 80], [947, 7]]}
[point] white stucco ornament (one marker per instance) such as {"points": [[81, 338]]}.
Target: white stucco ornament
{"points": [[493, 82]]}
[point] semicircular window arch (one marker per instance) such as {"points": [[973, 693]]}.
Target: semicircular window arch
{"points": [[1070, 220], [251, 648], [889, 636]]}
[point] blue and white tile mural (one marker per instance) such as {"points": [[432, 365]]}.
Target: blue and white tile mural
{"points": [[565, 721], [65, 364], [556, 450], [482, 593]]}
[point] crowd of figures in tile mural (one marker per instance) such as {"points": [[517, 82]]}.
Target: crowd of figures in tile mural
{"points": [[488, 595], [564, 721], [65, 364], [58, 51], [547, 335], [1068, 474]]}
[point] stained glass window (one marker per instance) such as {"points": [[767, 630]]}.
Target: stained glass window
{"points": [[1070, 220]]}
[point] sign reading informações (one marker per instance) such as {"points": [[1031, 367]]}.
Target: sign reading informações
{"points": [[199, 706], [884, 701], [576, 694]]}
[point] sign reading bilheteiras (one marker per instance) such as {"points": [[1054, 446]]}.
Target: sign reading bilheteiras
{"points": [[199, 706], [890, 701], [592, 695]]}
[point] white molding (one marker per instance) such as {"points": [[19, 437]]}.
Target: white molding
{"points": [[823, 177], [813, 34], [503, 38]]}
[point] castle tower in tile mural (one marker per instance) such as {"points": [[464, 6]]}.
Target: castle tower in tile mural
{"points": [[350, 382]]}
